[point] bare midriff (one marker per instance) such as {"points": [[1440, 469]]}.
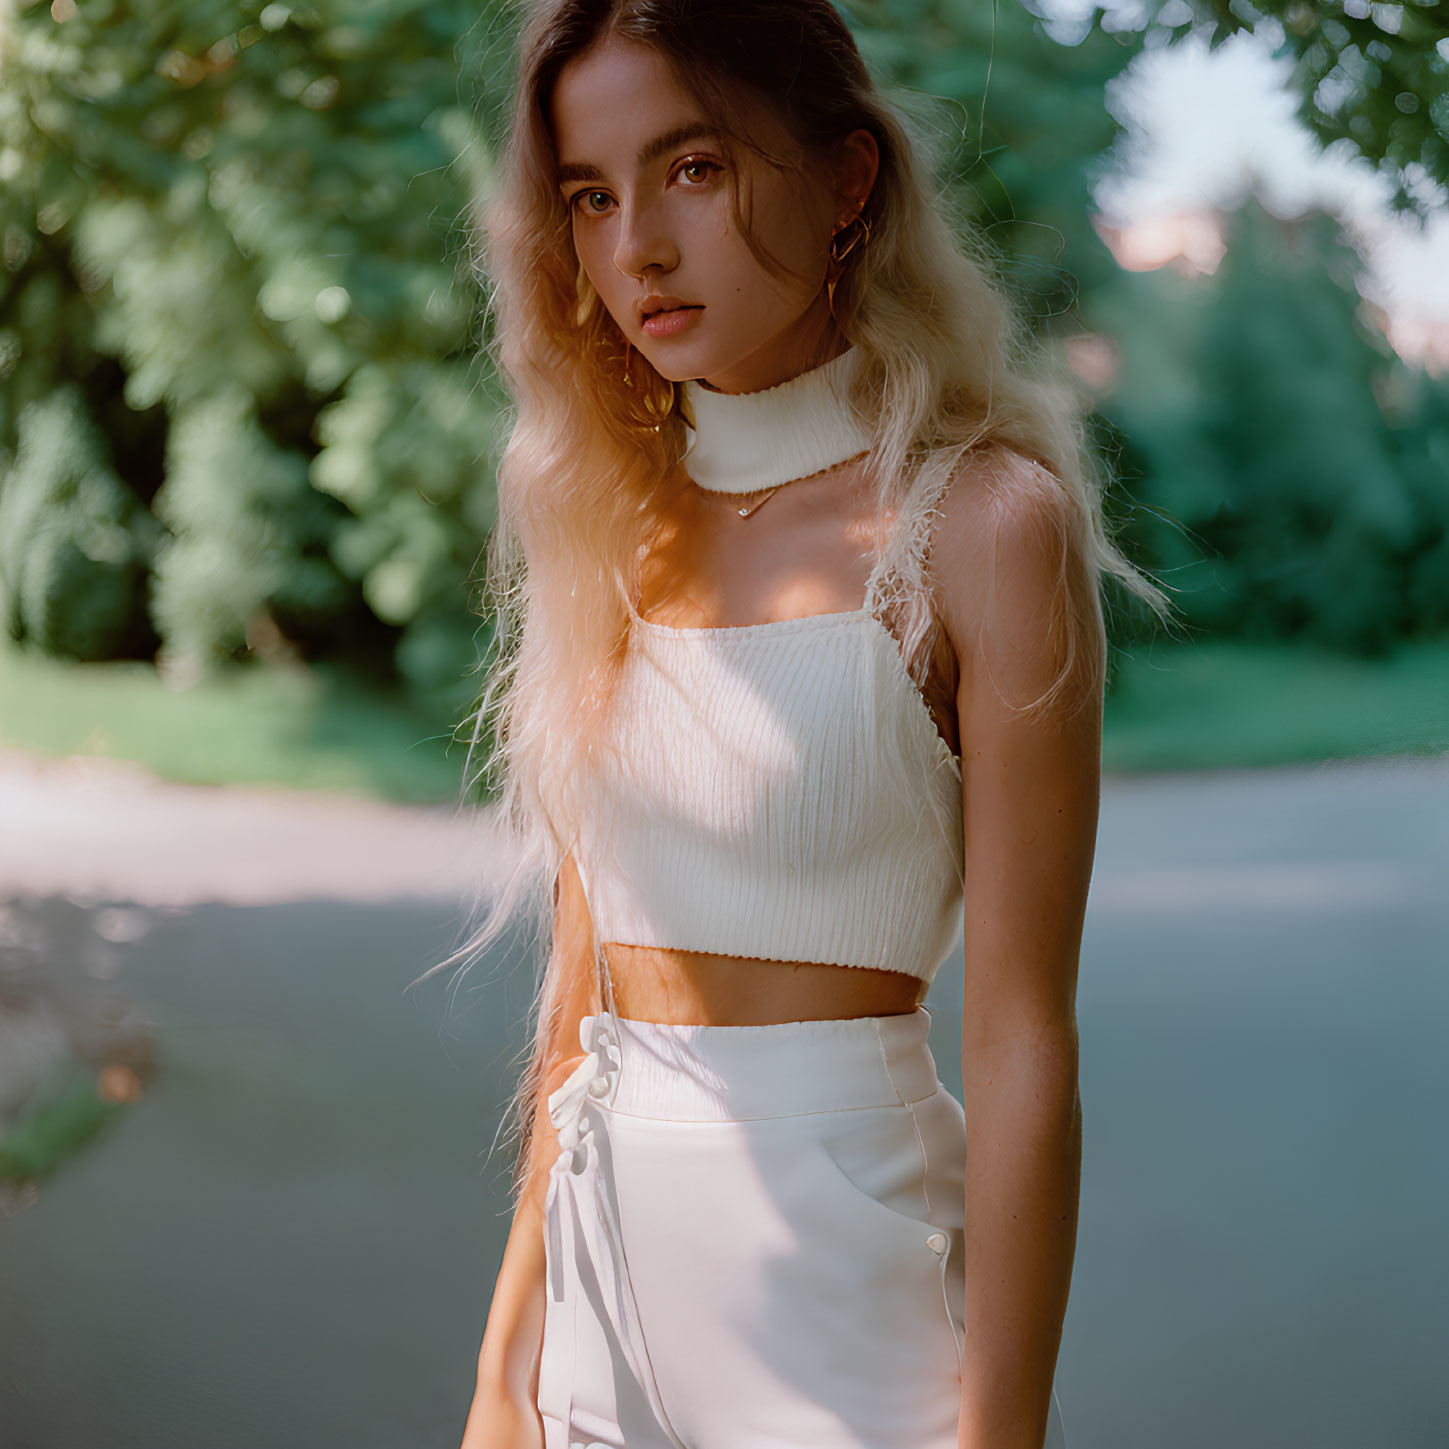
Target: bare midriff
{"points": [[695, 988]]}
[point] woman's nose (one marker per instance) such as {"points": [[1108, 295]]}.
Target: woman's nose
{"points": [[644, 241]]}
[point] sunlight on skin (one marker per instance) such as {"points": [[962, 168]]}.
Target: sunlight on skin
{"points": [[648, 193]]}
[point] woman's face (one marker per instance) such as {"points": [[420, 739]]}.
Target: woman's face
{"points": [[646, 184]]}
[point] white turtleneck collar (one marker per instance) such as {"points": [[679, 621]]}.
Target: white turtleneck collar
{"points": [[743, 442]]}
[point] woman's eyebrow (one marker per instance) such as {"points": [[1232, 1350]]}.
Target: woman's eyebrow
{"points": [[679, 136]]}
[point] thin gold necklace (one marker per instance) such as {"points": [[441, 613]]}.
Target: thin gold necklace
{"points": [[759, 503], [749, 508], [755, 507]]}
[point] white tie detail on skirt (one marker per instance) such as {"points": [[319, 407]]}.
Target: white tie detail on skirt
{"points": [[582, 1222]]}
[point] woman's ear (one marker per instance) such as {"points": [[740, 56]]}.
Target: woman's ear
{"points": [[857, 161]]}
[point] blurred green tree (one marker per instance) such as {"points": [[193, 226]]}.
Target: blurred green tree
{"points": [[258, 212], [1019, 120], [1281, 502], [74, 540], [236, 288], [1417, 406], [242, 229], [248, 545]]}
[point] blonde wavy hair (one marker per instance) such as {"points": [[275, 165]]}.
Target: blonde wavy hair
{"points": [[948, 369]]}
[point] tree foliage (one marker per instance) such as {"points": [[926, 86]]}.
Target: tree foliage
{"points": [[74, 541], [1294, 476], [247, 221], [1019, 120], [241, 229], [1373, 74], [242, 403]]}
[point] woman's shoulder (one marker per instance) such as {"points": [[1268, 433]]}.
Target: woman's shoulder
{"points": [[1009, 563], [1001, 512], [999, 492]]}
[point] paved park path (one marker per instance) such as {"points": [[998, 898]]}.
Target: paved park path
{"points": [[290, 1237]]}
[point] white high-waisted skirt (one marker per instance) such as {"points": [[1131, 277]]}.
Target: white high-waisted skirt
{"points": [[754, 1238]]}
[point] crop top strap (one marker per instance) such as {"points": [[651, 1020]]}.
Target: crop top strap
{"points": [[898, 583], [877, 585]]}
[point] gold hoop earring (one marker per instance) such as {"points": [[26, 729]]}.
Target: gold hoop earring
{"points": [[859, 229], [859, 235], [584, 297], [652, 413]]}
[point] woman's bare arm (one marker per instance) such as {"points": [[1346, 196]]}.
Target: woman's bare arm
{"points": [[1031, 788], [504, 1413]]}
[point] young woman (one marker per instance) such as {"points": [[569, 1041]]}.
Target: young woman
{"points": [[799, 668]]}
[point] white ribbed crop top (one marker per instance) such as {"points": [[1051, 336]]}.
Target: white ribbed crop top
{"points": [[779, 790]]}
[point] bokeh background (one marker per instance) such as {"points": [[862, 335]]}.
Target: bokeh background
{"points": [[250, 1191]]}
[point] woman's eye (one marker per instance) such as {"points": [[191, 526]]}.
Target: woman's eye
{"points": [[696, 173]]}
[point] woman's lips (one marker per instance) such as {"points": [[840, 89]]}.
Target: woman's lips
{"points": [[672, 322]]}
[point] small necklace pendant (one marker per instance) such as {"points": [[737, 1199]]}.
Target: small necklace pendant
{"points": [[750, 508]]}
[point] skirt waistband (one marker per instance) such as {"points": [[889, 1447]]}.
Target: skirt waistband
{"points": [[693, 1073]]}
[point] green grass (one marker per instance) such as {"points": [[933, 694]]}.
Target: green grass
{"points": [[56, 1130], [254, 724], [1175, 707], [1218, 704]]}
